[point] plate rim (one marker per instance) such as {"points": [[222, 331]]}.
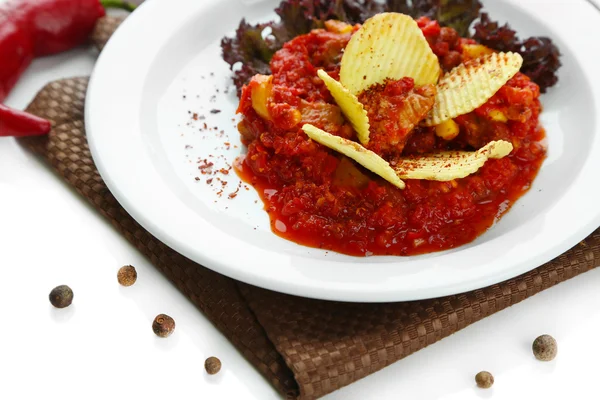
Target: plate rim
{"points": [[330, 290]]}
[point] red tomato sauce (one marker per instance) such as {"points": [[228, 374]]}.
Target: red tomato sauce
{"points": [[318, 198]]}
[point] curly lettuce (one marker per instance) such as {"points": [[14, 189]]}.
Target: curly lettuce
{"points": [[250, 50], [541, 57]]}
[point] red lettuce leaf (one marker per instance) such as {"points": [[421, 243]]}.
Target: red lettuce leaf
{"points": [[250, 50], [457, 14], [541, 57], [253, 51]]}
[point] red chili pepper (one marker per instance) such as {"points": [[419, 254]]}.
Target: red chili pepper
{"points": [[36, 28], [19, 123]]}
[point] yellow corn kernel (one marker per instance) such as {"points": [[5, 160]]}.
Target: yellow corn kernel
{"points": [[445, 187], [296, 117], [476, 50], [261, 94], [335, 26], [447, 130], [497, 115]]}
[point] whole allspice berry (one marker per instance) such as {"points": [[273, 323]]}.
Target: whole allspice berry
{"points": [[127, 275], [163, 325], [544, 348], [212, 365], [61, 296], [484, 380]]}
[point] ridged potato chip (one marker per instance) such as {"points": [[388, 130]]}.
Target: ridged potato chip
{"points": [[388, 45], [355, 151], [470, 85], [450, 165], [351, 107]]}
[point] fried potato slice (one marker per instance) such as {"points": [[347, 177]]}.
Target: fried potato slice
{"points": [[355, 151], [353, 110], [450, 165], [470, 85], [388, 45]]}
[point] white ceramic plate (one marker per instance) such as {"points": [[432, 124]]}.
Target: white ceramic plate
{"points": [[163, 65]]}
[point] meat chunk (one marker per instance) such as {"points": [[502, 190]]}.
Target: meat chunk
{"points": [[323, 115], [394, 109]]}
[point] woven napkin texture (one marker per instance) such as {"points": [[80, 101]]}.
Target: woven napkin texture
{"points": [[305, 348]]}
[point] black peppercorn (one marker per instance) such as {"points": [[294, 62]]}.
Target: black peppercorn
{"points": [[484, 380], [544, 348], [127, 275], [61, 296], [212, 365], [163, 325]]}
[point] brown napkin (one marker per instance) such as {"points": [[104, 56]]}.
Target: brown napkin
{"points": [[305, 348]]}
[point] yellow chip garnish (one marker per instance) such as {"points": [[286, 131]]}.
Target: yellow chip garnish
{"points": [[470, 85], [388, 45], [450, 165], [351, 107], [355, 151]]}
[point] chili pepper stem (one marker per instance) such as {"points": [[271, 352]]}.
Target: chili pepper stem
{"points": [[123, 5]]}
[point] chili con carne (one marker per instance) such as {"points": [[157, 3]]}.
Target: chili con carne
{"points": [[318, 198]]}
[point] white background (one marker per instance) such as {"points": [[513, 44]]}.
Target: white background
{"points": [[103, 346]]}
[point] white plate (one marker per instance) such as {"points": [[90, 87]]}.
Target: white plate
{"points": [[156, 70]]}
